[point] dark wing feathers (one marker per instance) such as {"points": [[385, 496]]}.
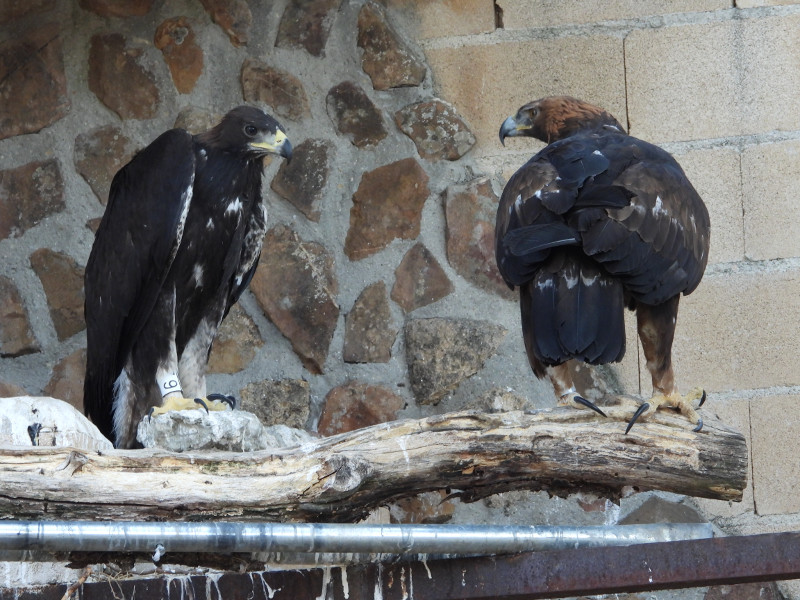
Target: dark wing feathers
{"points": [[134, 246], [586, 219]]}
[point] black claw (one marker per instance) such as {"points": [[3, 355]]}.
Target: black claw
{"points": [[229, 400], [588, 404], [702, 401], [202, 403], [636, 415], [699, 424], [150, 412]]}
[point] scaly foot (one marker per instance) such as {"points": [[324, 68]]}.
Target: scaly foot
{"points": [[684, 404], [210, 402]]}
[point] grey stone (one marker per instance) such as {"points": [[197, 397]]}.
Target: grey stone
{"points": [[441, 353], [278, 402], [302, 180], [436, 128], [355, 115], [28, 195], [368, 334]]}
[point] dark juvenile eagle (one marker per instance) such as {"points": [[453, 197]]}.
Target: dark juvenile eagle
{"points": [[178, 243], [598, 221]]}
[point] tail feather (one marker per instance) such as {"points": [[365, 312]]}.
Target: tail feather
{"points": [[575, 310]]}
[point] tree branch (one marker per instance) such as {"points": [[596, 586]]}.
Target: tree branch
{"points": [[341, 478]]}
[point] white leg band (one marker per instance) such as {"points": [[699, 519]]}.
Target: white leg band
{"points": [[571, 390], [168, 383]]}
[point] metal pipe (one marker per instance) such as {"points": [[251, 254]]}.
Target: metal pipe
{"points": [[65, 536]]}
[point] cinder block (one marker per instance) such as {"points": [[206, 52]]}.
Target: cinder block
{"points": [[715, 174], [775, 421], [769, 188], [524, 14], [739, 330], [711, 80], [437, 18], [488, 82], [734, 413]]}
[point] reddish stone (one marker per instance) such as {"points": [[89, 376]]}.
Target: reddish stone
{"points": [[441, 353], [306, 24], [355, 115], [437, 130], [117, 8], [387, 205], [302, 180], [236, 343], [29, 194], [16, 335], [177, 41], [62, 280], [11, 390], [99, 154], [355, 404], [33, 87], [11, 10], [368, 334], [426, 508], [233, 16], [281, 90], [295, 286], [470, 211], [387, 59], [419, 280], [67, 381], [283, 402], [119, 80]]}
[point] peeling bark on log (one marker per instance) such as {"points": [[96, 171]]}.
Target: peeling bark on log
{"points": [[341, 478]]}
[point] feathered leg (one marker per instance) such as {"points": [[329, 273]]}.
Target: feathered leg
{"points": [[565, 390], [656, 325]]}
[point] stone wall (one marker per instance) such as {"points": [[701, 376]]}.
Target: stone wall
{"points": [[377, 297]]}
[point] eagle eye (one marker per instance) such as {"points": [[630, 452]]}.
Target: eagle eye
{"points": [[250, 130]]}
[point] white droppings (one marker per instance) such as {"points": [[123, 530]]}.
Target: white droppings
{"points": [[401, 441], [424, 560], [326, 579], [588, 280], [313, 470], [378, 592], [210, 224], [571, 281], [345, 584], [202, 152], [598, 153]]}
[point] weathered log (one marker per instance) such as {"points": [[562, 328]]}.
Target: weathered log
{"points": [[342, 477]]}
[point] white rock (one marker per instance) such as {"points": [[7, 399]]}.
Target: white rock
{"points": [[43, 421], [234, 430]]}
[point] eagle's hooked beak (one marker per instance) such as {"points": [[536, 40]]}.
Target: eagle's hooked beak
{"points": [[279, 144], [516, 125]]}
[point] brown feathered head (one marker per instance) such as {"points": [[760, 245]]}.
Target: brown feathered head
{"points": [[556, 117]]}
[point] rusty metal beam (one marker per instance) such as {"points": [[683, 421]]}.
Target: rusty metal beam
{"points": [[526, 576]]}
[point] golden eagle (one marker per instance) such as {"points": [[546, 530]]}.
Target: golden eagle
{"points": [[598, 221], [178, 243]]}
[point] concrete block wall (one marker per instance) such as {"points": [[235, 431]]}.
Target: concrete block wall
{"points": [[716, 83]]}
